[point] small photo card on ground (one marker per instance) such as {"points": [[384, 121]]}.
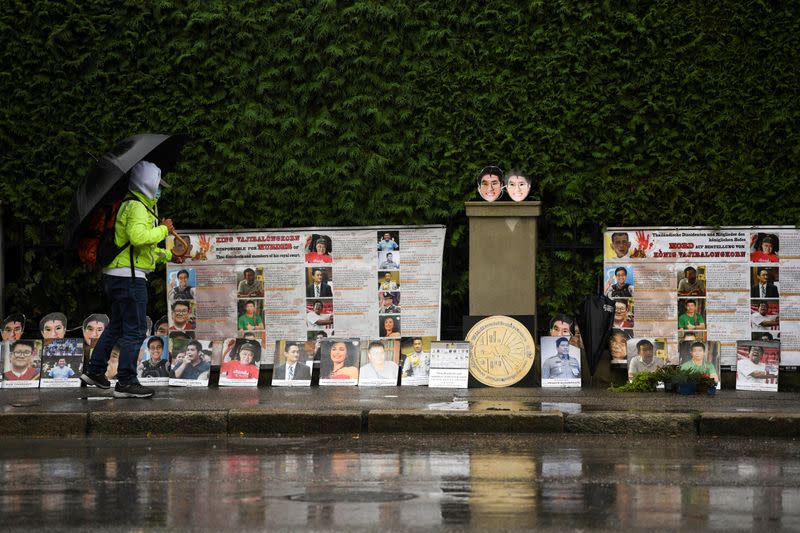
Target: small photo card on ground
{"points": [[379, 363], [22, 363], [449, 365], [62, 363], [153, 368], [293, 363], [240, 363], [338, 363], [561, 363], [190, 362], [415, 354], [757, 364]]}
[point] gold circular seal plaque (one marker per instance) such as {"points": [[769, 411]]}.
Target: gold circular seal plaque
{"points": [[502, 351]]}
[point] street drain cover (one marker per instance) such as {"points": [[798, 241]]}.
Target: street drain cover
{"points": [[351, 496]]}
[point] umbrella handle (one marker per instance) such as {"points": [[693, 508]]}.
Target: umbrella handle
{"points": [[183, 243]]}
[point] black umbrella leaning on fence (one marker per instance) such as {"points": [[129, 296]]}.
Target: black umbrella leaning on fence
{"points": [[595, 317], [107, 180]]}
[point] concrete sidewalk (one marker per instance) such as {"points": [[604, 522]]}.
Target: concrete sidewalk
{"points": [[270, 411]]}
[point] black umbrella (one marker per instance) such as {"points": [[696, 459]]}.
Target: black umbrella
{"points": [[595, 317], [108, 178]]}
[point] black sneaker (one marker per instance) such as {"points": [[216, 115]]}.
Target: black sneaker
{"points": [[132, 390], [97, 380]]}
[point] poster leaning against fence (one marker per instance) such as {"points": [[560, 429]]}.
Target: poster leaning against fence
{"points": [[308, 283], [707, 284]]}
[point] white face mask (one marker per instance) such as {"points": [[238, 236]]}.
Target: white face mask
{"points": [[158, 194]]}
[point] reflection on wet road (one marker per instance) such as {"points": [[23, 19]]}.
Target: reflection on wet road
{"points": [[401, 482]]}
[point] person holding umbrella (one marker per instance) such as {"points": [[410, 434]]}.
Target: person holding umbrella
{"points": [[125, 283]]}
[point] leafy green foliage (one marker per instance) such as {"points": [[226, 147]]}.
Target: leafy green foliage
{"points": [[361, 112]]}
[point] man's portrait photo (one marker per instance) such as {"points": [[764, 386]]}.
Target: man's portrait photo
{"points": [[250, 316], [318, 249], [765, 315], [92, 327], [561, 363], [23, 363], [388, 241], [388, 302], [764, 248], [388, 260], [561, 325], [181, 315], [619, 281], [318, 280], [757, 366], [763, 282], [690, 314], [289, 366], [388, 280], [691, 281], [251, 283], [53, 326], [319, 314], [620, 244], [180, 284]]}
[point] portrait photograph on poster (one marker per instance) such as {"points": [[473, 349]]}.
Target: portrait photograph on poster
{"points": [[561, 363], [388, 280], [294, 362], [182, 315], [319, 313], [619, 281], [388, 302], [251, 315], [319, 282], [692, 280], [250, 282], [617, 346], [318, 249], [415, 357], [389, 260], [388, 241], [764, 282], [379, 363], [765, 316], [646, 355], [92, 327], [22, 364], [338, 363], [691, 316], [757, 365], [623, 315], [241, 359], [764, 247], [190, 362], [181, 283], [153, 367], [699, 356], [62, 362]]}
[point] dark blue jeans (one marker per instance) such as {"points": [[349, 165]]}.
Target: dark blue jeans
{"points": [[127, 328]]}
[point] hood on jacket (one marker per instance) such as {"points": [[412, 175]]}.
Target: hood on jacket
{"points": [[145, 179]]}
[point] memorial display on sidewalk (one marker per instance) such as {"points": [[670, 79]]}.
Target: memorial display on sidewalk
{"points": [[153, 368], [62, 363], [338, 362], [379, 363], [687, 284], [449, 365], [294, 363], [561, 362], [757, 365], [22, 364], [297, 283]]}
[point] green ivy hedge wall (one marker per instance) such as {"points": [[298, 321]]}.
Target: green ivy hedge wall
{"points": [[381, 112]]}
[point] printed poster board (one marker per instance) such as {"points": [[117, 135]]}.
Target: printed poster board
{"points": [[298, 283]]}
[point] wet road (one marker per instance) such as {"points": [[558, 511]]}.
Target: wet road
{"points": [[400, 482]]}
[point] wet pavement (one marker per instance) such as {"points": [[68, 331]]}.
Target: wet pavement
{"points": [[400, 482]]}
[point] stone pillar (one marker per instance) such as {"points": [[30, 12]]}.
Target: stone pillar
{"points": [[502, 257]]}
